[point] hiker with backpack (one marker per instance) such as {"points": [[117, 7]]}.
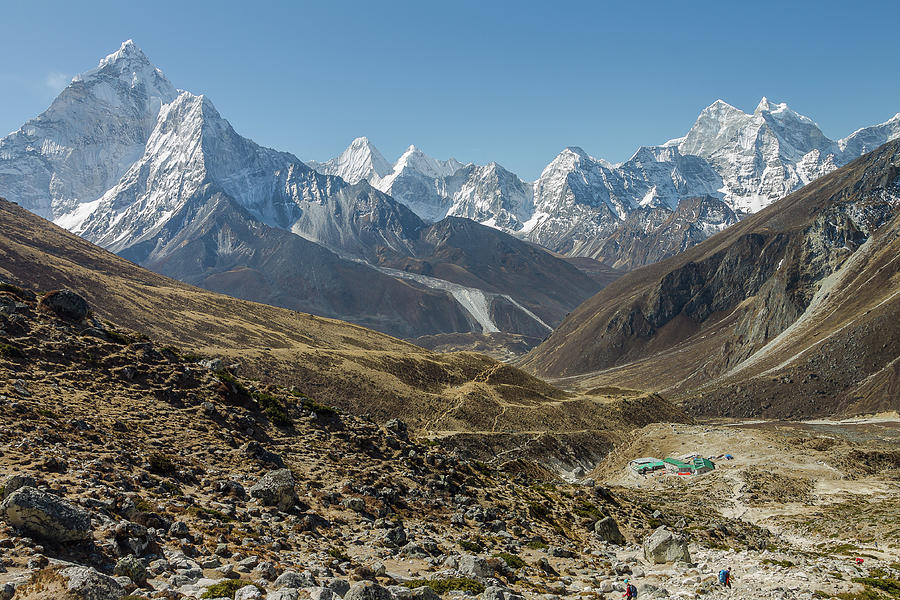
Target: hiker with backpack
{"points": [[630, 590], [725, 577]]}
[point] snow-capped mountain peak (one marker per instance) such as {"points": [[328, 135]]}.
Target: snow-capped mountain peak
{"points": [[415, 159], [766, 106], [88, 137], [133, 70], [361, 160]]}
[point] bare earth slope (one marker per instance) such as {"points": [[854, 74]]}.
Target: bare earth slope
{"points": [[793, 311], [336, 363]]}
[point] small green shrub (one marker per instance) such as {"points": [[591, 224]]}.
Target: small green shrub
{"points": [[511, 560], [225, 589], [778, 563], [46, 413], [338, 554], [207, 514], [144, 506], [442, 586], [866, 594], [471, 545], [273, 407], [119, 337], [538, 511], [587, 509], [886, 584], [230, 380], [319, 409], [11, 352], [537, 545], [162, 464]]}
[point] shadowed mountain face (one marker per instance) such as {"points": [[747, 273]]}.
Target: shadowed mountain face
{"points": [[213, 243], [464, 252], [791, 312]]}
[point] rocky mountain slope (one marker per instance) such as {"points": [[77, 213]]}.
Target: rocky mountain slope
{"points": [[581, 206], [129, 468], [129, 163], [790, 312], [361, 371]]}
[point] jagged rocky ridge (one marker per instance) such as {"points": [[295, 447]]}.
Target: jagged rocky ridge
{"points": [[735, 163], [789, 313]]}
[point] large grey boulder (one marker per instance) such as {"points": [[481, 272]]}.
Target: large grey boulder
{"points": [[287, 594], [85, 583], [293, 579], [495, 592], [664, 546], [248, 592], [338, 586], [15, 482], [607, 530], [394, 537], [66, 304], [474, 566], [420, 593], [368, 590], [276, 488], [46, 516]]}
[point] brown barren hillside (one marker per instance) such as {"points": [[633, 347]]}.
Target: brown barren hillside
{"points": [[792, 311], [333, 362]]}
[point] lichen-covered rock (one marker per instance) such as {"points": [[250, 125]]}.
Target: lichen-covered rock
{"points": [[474, 566], [607, 530], [248, 592], [130, 567], [368, 590], [664, 546], [319, 593], [46, 516], [293, 579], [276, 488], [15, 482], [85, 583], [420, 593], [394, 537]]}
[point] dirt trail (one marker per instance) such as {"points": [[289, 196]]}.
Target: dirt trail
{"points": [[811, 483]]}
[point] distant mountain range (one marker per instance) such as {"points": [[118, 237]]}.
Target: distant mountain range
{"points": [[420, 247], [734, 163], [158, 176]]}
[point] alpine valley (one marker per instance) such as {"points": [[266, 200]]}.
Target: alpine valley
{"points": [[616, 380]]}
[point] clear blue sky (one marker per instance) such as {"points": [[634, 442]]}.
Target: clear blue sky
{"points": [[513, 82]]}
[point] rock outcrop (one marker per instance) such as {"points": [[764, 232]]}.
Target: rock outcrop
{"points": [[607, 530], [45, 515], [665, 546], [276, 488]]}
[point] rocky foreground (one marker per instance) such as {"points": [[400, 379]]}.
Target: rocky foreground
{"points": [[129, 470]]}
